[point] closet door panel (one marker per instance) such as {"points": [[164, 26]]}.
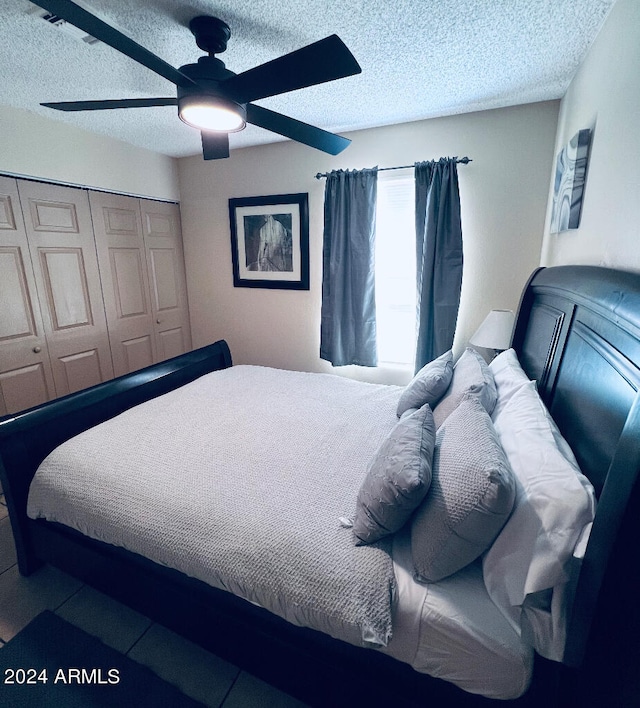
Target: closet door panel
{"points": [[25, 373], [24, 387], [127, 272], [138, 352], [165, 266], [172, 342], [50, 216], [17, 318], [81, 369], [123, 268], [163, 242], [61, 241], [67, 291], [7, 201]]}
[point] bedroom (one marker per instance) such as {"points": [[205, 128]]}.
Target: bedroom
{"points": [[502, 143]]}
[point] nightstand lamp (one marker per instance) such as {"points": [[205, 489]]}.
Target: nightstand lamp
{"points": [[495, 332]]}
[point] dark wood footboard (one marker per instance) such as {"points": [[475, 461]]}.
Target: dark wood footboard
{"points": [[26, 438]]}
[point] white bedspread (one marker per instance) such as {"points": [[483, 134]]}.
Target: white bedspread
{"points": [[239, 479]]}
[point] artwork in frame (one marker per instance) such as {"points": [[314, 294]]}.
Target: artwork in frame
{"points": [[568, 188], [270, 241]]}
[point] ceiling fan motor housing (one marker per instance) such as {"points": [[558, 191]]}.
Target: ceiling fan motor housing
{"points": [[208, 73]]}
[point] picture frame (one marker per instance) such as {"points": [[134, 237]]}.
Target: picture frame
{"points": [[570, 177], [270, 241]]}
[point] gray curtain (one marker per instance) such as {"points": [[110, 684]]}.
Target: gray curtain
{"points": [[438, 256], [348, 328]]}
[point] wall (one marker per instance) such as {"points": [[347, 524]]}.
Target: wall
{"points": [[34, 146], [503, 194], [605, 96]]}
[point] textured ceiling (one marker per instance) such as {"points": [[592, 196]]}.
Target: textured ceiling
{"points": [[419, 58]]}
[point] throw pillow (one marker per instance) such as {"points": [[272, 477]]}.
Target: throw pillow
{"points": [[397, 479], [471, 374], [471, 496], [428, 385]]}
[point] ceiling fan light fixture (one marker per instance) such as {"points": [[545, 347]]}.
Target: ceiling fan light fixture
{"points": [[210, 97], [207, 112]]}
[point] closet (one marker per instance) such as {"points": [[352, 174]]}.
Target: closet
{"points": [[92, 286]]}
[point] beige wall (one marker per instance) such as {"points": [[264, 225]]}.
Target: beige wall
{"points": [[605, 96], [503, 194], [34, 146]]}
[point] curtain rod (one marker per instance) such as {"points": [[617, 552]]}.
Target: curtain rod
{"points": [[463, 160]]}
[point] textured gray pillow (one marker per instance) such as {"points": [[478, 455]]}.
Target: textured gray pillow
{"points": [[471, 375], [471, 496], [428, 385], [397, 479]]}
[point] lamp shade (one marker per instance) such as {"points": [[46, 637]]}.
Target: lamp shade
{"points": [[495, 331]]}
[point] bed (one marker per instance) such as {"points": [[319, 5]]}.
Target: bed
{"points": [[577, 336]]}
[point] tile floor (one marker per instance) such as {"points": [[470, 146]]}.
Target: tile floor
{"points": [[196, 672]]}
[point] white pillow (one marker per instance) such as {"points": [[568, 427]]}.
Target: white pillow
{"points": [[508, 376], [554, 502]]}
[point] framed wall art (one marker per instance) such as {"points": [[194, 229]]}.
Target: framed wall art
{"points": [[568, 188], [270, 241]]}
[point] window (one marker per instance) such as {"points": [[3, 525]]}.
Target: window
{"points": [[396, 268]]}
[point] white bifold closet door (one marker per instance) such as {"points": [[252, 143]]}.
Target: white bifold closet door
{"points": [[165, 260], [125, 282], [139, 248], [63, 254], [26, 378], [92, 286]]}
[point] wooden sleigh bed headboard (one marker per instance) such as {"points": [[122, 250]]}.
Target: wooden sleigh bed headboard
{"points": [[577, 333]]}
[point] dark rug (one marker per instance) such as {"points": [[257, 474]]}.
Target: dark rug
{"points": [[52, 663]]}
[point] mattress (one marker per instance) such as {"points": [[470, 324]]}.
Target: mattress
{"points": [[452, 630], [266, 462]]}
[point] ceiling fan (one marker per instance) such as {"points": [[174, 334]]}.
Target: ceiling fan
{"points": [[212, 98]]}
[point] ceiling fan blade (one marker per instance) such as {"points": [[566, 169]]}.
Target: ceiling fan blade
{"points": [[322, 61], [214, 145], [296, 130], [104, 105], [78, 16]]}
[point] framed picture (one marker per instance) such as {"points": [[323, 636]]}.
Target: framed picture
{"points": [[270, 241], [568, 188]]}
